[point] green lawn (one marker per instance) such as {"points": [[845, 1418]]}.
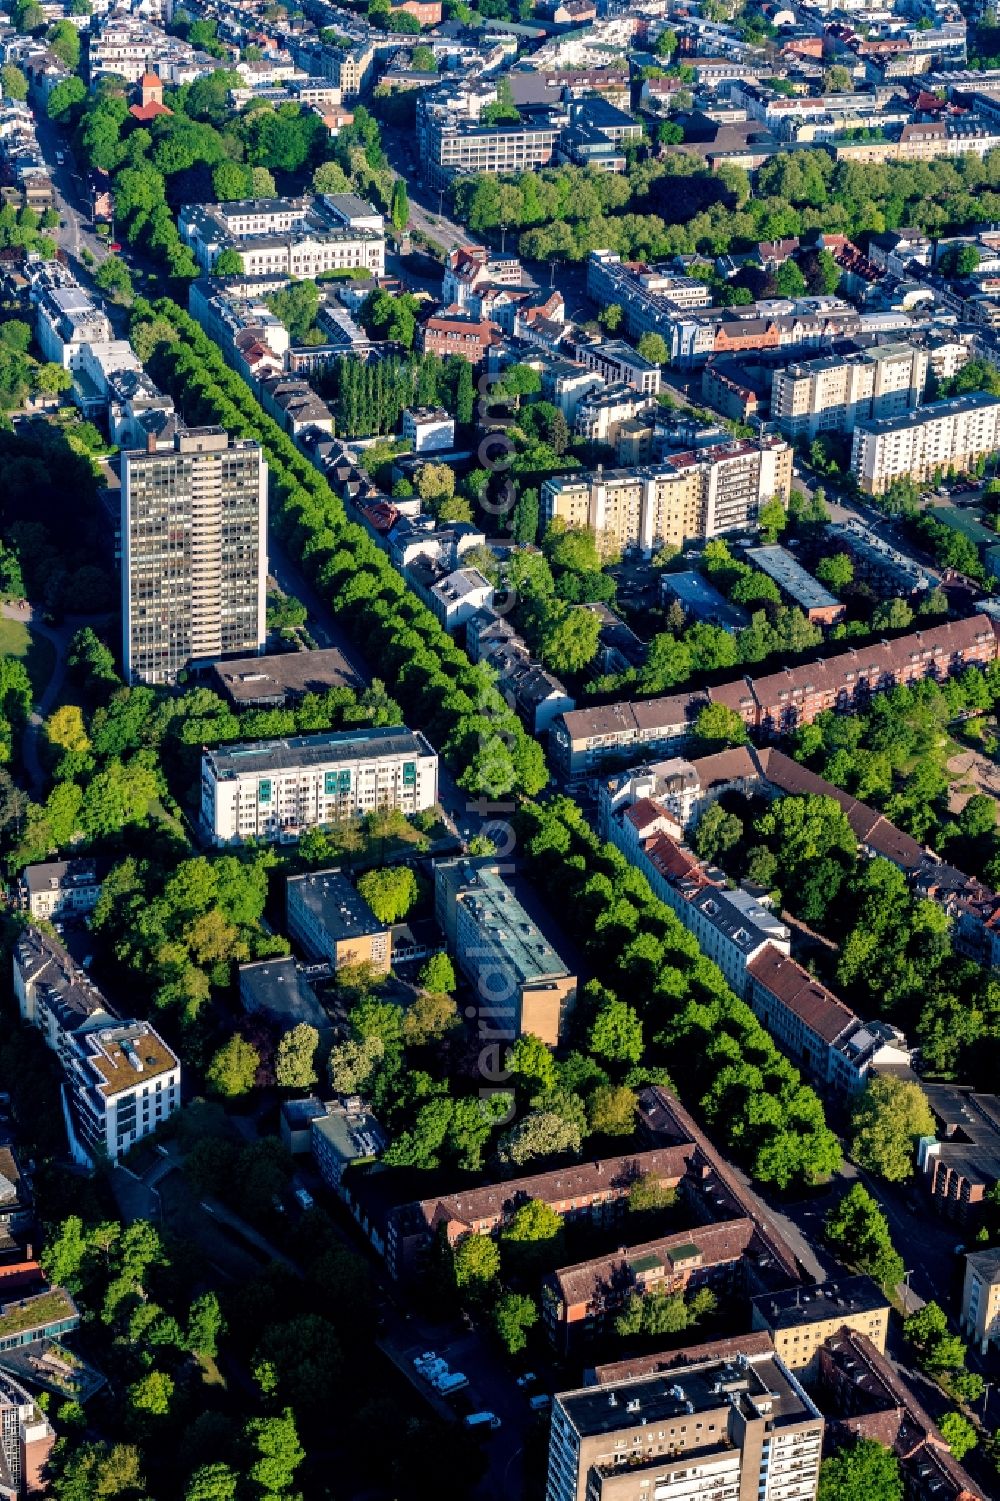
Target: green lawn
{"points": [[37, 654]]}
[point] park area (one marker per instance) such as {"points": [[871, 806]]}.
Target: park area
{"points": [[29, 648]]}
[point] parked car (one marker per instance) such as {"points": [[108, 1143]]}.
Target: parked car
{"points": [[451, 1383], [305, 1198], [541, 1403], [528, 1379], [481, 1420]]}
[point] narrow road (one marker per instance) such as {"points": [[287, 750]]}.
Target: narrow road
{"points": [[60, 637]]}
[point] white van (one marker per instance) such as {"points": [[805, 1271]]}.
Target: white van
{"points": [[482, 1420]]}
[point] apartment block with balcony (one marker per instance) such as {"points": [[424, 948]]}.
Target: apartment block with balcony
{"points": [[690, 497], [276, 789], [740, 1429], [120, 1079], [26, 1440], [194, 553], [834, 393], [950, 434]]}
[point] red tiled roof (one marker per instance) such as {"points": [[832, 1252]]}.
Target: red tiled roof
{"points": [[149, 111], [815, 1006]]}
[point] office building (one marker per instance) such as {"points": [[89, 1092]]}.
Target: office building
{"points": [[649, 299], [742, 1428], [691, 496], [800, 1320], [275, 789], [516, 972], [296, 237], [121, 1080], [950, 434], [452, 147], [331, 921], [834, 393], [26, 1439], [194, 553], [345, 1135]]}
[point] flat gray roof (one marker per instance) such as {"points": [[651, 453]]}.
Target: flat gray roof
{"points": [[752, 1385], [789, 574], [704, 601], [248, 679], [329, 896], [278, 988], [230, 761], [846, 1296]]}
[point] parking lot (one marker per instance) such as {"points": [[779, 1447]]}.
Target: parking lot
{"points": [[491, 1388]]}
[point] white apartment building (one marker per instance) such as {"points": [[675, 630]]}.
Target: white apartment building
{"points": [[602, 411], [835, 393], [944, 434], [616, 361], [121, 1080], [741, 1429], [429, 429], [66, 320], [276, 789], [60, 888], [194, 553]]}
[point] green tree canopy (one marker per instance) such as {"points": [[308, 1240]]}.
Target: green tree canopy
{"points": [[887, 1122]]}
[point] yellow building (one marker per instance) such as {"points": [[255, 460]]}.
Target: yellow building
{"points": [[981, 1298], [801, 1319], [688, 497]]}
